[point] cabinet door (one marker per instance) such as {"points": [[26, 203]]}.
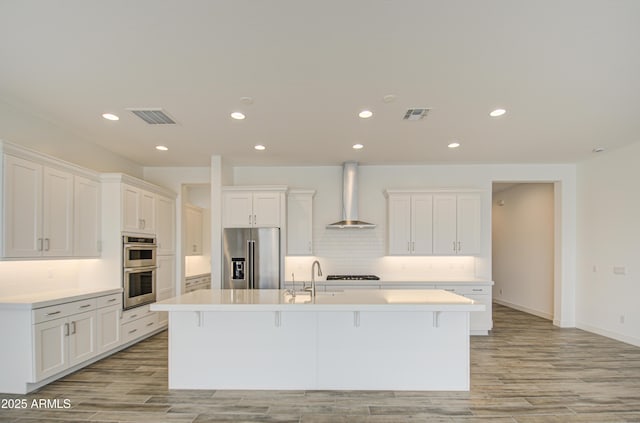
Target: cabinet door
{"points": [[421, 224], [399, 231], [147, 212], [57, 213], [165, 225], [237, 210], [469, 221], [108, 328], [131, 208], [300, 225], [86, 218], [266, 209], [444, 224], [193, 217], [82, 337], [22, 208], [50, 341]]}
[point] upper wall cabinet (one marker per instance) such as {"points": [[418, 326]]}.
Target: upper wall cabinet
{"points": [[300, 222], [193, 240], [47, 203], [138, 210], [86, 218], [410, 218], [456, 224], [433, 223], [253, 207], [165, 225]]}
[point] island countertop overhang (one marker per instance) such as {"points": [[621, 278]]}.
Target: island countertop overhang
{"points": [[348, 300]]}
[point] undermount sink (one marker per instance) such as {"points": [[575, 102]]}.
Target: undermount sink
{"points": [[304, 297]]}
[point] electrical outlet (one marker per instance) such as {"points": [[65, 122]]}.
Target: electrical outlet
{"points": [[500, 291], [595, 268]]}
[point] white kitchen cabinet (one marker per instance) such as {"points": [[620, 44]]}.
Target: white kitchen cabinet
{"points": [[108, 322], [194, 222], [410, 220], [456, 224], [87, 229], [165, 283], [165, 225], [138, 210], [38, 204], [300, 222], [63, 337], [244, 208], [137, 323], [481, 322]]}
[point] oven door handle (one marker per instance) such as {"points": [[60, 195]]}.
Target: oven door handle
{"points": [[139, 269]]}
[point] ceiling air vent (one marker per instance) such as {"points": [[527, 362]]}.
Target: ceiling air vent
{"points": [[415, 114], [153, 116]]}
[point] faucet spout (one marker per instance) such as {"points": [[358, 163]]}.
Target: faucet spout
{"points": [[313, 276]]}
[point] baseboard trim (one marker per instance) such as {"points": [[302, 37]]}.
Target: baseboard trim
{"points": [[609, 334], [538, 313]]}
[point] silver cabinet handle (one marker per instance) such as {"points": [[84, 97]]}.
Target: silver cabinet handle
{"points": [[254, 219], [66, 329], [73, 328], [150, 324], [459, 246], [408, 246], [85, 306], [249, 219], [194, 248], [454, 246], [477, 289], [133, 330], [413, 246], [53, 313], [47, 243], [112, 300]]}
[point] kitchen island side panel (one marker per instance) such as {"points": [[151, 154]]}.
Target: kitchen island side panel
{"points": [[406, 350]]}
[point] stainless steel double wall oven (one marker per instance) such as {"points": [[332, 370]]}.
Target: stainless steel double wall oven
{"points": [[139, 270]]}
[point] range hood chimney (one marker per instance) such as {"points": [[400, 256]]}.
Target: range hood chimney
{"points": [[350, 200]]}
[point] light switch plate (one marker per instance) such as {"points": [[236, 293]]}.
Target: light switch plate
{"points": [[619, 270]]}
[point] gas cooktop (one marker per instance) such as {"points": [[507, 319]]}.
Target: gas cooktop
{"points": [[352, 278]]}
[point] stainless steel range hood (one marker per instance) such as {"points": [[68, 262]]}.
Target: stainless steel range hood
{"points": [[350, 200]]}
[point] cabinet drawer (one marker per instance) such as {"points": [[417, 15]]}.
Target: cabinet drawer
{"points": [[466, 289], [140, 327], [45, 314], [109, 300], [135, 313]]}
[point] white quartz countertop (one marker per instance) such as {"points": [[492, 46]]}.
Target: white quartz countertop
{"points": [[348, 300], [47, 298], [441, 281]]}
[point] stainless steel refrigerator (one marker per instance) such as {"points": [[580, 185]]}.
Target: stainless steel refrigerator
{"points": [[251, 258]]}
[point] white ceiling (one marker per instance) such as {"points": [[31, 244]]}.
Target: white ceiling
{"points": [[567, 71]]}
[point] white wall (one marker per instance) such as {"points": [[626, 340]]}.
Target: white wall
{"points": [[523, 250], [608, 234], [25, 129]]}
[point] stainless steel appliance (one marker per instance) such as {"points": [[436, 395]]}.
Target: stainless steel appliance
{"points": [[139, 271], [352, 278], [251, 258], [138, 251]]}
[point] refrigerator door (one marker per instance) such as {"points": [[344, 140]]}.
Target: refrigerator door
{"points": [[266, 258], [236, 261]]}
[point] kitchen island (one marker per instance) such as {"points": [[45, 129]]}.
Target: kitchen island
{"points": [[360, 339]]}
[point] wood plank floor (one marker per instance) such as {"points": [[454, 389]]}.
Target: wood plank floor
{"points": [[526, 371]]}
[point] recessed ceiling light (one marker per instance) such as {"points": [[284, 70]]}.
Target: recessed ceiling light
{"points": [[389, 98], [598, 150], [454, 144], [365, 114], [358, 146], [110, 116], [260, 147], [497, 112], [238, 115], [162, 148]]}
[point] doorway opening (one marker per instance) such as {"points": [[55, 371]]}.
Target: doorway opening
{"points": [[196, 237], [523, 246]]}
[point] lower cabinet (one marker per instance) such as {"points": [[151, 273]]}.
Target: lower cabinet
{"points": [[138, 322], [64, 342], [108, 323]]}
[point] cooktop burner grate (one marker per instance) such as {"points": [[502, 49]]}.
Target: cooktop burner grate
{"points": [[352, 278]]}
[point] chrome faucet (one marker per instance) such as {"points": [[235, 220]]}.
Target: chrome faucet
{"points": [[312, 288]]}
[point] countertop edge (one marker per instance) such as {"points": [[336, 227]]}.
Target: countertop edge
{"points": [[23, 302]]}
